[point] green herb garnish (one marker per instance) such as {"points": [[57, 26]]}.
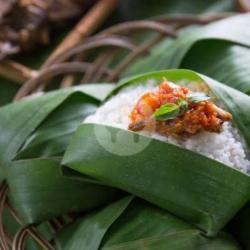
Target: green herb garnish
{"points": [[172, 110], [167, 111], [198, 97], [183, 105]]}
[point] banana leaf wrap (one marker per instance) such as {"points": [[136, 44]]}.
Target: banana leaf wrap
{"points": [[19, 120], [198, 189], [37, 137], [39, 192], [133, 224]]}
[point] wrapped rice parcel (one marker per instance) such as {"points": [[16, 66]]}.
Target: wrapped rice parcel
{"points": [[174, 138]]}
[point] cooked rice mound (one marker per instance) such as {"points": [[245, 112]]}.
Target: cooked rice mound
{"points": [[227, 147]]}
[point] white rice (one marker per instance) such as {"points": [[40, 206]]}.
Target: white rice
{"points": [[227, 147]]}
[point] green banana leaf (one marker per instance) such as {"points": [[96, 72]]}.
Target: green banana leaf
{"points": [[221, 60], [139, 225], [190, 186], [28, 114], [35, 183], [39, 192], [210, 50], [19, 120], [88, 234], [52, 136], [97, 90]]}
